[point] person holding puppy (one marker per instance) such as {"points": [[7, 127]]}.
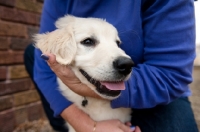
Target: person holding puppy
{"points": [[160, 38]]}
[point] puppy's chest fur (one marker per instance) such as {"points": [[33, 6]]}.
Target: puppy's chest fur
{"points": [[97, 109]]}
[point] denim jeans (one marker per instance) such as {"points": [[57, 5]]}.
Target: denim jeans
{"points": [[174, 117]]}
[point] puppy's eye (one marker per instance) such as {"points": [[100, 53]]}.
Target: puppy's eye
{"points": [[88, 42], [118, 42]]}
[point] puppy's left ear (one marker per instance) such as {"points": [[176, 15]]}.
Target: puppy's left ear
{"points": [[60, 42]]}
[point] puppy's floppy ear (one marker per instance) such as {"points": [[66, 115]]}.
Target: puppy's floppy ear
{"points": [[60, 42], [63, 22]]}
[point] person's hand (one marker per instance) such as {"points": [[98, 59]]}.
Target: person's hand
{"points": [[62, 71], [68, 77], [115, 126], [135, 129]]}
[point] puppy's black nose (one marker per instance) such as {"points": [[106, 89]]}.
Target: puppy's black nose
{"points": [[123, 65]]}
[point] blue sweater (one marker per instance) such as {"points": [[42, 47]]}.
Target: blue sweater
{"points": [[159, 35]]}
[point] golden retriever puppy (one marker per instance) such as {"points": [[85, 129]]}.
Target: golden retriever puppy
{"points": [[90, 46]]}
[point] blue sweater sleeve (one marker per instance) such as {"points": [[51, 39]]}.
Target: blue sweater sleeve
{"points": [[43, 76], [169, 51]]}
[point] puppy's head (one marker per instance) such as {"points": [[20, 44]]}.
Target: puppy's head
{"points": [[91, 47]]}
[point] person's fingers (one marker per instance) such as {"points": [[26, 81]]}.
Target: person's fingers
{"points": [[137, 129], [45, 57], [128, 124], [58, 68], [125, 128], [52, 59]]}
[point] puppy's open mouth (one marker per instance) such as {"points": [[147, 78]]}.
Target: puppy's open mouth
{"points": [[106, 88]]}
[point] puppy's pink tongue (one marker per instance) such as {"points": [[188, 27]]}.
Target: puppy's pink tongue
{"points": [[114, 85]]}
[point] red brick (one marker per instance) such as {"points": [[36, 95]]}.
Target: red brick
{"points": [[3, 72], [12, 14], [29, 5], [21, 115], [40, 1], [19, 43], [17, 71], [35, 111], [6, 102], [4, 43], [7, 57], [31, 85], [15, 86], [31, 30], [26, 97], [12, 29], [7, 121], [7, 2]]}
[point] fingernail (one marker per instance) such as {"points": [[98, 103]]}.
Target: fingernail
{"points": [[45, 57], [132, 128]]}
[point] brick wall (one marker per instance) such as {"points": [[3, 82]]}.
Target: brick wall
{"points": [[19, 100], [195, 86]]}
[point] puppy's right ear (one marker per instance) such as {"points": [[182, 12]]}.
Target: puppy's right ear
{"points": [[60, 42]]}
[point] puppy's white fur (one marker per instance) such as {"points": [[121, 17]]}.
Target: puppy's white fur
{"points": [[97, 60]]}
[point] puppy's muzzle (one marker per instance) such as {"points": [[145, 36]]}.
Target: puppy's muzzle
{"points": [[123, 65]]}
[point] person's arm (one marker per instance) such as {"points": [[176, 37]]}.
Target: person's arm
{"points": [[169, 52], [82, 123]]}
